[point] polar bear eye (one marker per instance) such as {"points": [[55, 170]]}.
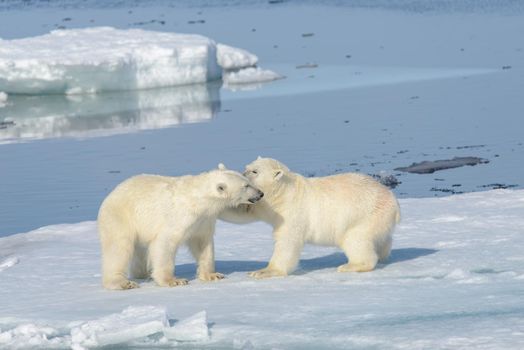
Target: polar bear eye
{"points": [[254, 171]]}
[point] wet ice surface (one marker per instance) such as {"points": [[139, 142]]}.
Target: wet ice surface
{"points": [[429, 167], [454, 280], [371, 102]]}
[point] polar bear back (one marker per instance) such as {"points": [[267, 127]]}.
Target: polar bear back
{"points": [[328, 207], [146, 204]]}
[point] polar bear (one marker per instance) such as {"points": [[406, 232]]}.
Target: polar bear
{"points": [[351, 211], [147, 217]]}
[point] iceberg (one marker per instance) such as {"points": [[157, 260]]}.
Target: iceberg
{"points": [[92, 60]]}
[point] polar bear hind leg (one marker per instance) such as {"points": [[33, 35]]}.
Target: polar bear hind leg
{"points": [[360, 249]]}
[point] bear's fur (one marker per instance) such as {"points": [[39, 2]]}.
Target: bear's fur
{"points": [[144, 220], [351, 211]]}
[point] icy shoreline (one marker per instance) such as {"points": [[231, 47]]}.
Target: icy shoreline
{"points": [[92, 60], [454, 280]]}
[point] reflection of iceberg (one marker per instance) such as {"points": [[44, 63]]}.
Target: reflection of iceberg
{"points": [[40, 117]]}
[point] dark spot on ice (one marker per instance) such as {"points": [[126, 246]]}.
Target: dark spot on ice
{"points": [[440, 180], [275, 1], [114, 171], [348, 56], [456, 185], [67, 19], [143, 147], [429, 167], [506, 67], [6, 123], [445, 190], [153, 21], [403, 151], [226, 110], [497, 186], [307, 65], [387, 180], [198, 21], [470, 146], [253, 30], [307, 35], [346, 121]]}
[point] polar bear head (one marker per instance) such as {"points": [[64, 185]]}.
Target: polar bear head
{"points": [[267, 173], [234, 188]]}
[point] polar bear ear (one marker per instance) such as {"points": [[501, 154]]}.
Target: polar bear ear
{"points": [[259, 157], [221, 166], [278, 175]]}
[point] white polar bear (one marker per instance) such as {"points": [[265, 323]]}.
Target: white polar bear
{"points": [[147, 217], [352, 211]]}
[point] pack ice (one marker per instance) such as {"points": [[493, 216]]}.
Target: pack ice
{"points": [[107, 59]]}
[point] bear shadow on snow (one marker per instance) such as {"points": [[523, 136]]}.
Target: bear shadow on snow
{"points": [[306, 265]]}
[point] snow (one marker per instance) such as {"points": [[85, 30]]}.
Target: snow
{"points": [[454, 280], [8, 262], [249, 76], [131, 323], [98, 59], [231, 58], [193, 328]]}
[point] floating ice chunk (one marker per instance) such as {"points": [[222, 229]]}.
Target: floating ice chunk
{"points": [[8, 262], [132, 323], [250, 75], [79, 61], [193, 328], [104, 58], [30, 335], [231, 58], [3, 99]]}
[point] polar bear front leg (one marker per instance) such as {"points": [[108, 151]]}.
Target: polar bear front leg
{"points": [[286, 254], [202, 248], [161, 255]]}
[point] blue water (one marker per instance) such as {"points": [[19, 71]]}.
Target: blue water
{"points": [[406, 93]]}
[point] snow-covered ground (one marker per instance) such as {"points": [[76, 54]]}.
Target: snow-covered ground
{"points": [[97, 59], [455, 280]]}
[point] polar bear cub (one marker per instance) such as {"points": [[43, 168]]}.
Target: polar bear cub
{"points": [[350, 210], [144, 220]]}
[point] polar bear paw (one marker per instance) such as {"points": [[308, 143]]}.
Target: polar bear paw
{"points": [[214, 276], [130, 285], [173, 282], [121, 284], [266, 273], [355, 267]]}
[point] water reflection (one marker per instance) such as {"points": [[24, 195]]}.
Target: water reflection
{"points": [[41, 117]]}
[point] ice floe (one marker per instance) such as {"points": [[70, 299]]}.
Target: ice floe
{"points": [[445, 280], [91, 60]]}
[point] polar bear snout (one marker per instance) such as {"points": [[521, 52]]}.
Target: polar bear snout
{"points": [[256, 197]]}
